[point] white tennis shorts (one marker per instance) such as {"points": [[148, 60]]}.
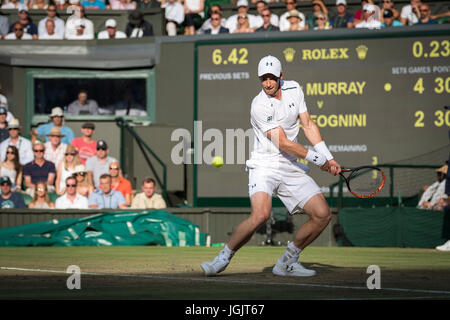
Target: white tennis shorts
{"points": [[291, 184]]}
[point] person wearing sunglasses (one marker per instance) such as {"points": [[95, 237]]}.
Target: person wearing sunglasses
{"points": [[66, 168], [322, 22], [84, 187], [425, 15], [343, 18], [389, 5], [207, 24], [267, 25], [119, 183], [25, 20], [243, 25], [8, 198], [216, 25], [39, 170], [243, 8], [71, 199], [15, 139], [41, 199], [54, 148], [58, 22], [18, 33], [99, 164]]}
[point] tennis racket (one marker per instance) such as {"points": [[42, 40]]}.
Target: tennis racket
{"points": [[363, 182]]}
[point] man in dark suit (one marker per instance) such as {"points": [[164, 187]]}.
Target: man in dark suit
{"points": [[216, 28]]}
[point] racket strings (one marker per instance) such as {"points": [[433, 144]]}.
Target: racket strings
{"points": [[366, 183]]}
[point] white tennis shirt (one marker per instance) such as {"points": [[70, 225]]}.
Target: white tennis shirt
{"points": [[268, 113]]}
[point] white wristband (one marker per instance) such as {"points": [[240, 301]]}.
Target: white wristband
{"points": [[321, 147], [315, 157]]}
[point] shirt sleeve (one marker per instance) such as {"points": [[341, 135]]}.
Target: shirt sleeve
{"points": [[263, 116]]}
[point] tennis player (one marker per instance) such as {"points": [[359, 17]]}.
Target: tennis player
{"points": [[274, 170]]}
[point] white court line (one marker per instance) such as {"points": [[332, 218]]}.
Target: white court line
{"points": [[227, 281]]}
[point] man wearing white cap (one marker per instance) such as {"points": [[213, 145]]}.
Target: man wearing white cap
{"points": [[28, 25], [371, 16], [111, 31], [80, 27], [342, 19], [243, 8], [57, 120], [276, 113]]}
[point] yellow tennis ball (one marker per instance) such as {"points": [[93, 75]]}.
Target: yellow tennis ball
{"points": [[218, 161]]}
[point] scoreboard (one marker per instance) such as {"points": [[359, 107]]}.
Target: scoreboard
{"points": [[375, 100]]}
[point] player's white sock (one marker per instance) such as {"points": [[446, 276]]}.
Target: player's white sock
{"points": [[291, 253], [227, 252]]}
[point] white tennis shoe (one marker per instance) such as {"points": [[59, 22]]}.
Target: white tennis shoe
{"points": [[291, 269], [444, 247], [212, 268]]}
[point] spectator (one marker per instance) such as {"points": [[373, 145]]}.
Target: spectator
{"points": [[4, 26], [267, 18], [105, 197], [322, 22], [342, 19], [25, 20], [12, 168], [18, 33], [148, 4], [207, 24], [425, 15], [410, 13], [371, 18], [57, 121], [137, 27], [318, 6], [86, 145], [122, 4], [174, 13], [232, 22], [193, 10], [71, 199], [111, 31], [55, 149], [41, 199], [66, 168], [83, 105], [261, 5], [294, 19], [11, 4], [433, 193], [93, 4], [58, 25], [84, 187], [148, 199], [38, 4], [216, 26], [39, 170], [389, 5], [15, 139], [358, 17], [284, 22], [8, 199], [99, 164], [4, 134], [73, 22], [119, 183], [80, 34], [389, 21], [243, 25], [50, 33]]}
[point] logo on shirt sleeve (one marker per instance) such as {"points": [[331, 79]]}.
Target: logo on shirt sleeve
{"points": [[269, 118]]}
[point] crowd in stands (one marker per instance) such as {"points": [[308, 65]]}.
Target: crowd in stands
{"points": [[191, 17], [55, 169]]}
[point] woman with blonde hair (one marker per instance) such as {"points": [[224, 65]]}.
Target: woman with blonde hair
{"points": [[12, 168], [243, 25], [66, 168], [322, 22], [84, 187], [41, 199]]}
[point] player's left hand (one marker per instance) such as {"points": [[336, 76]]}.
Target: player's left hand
{"points": [[335, 167]]}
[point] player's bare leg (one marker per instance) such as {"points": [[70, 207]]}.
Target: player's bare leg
{"points": [[261, 206], [319, 216]]}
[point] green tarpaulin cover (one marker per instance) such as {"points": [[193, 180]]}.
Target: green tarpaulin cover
{"points": [[156, 227], [395, 227]]}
